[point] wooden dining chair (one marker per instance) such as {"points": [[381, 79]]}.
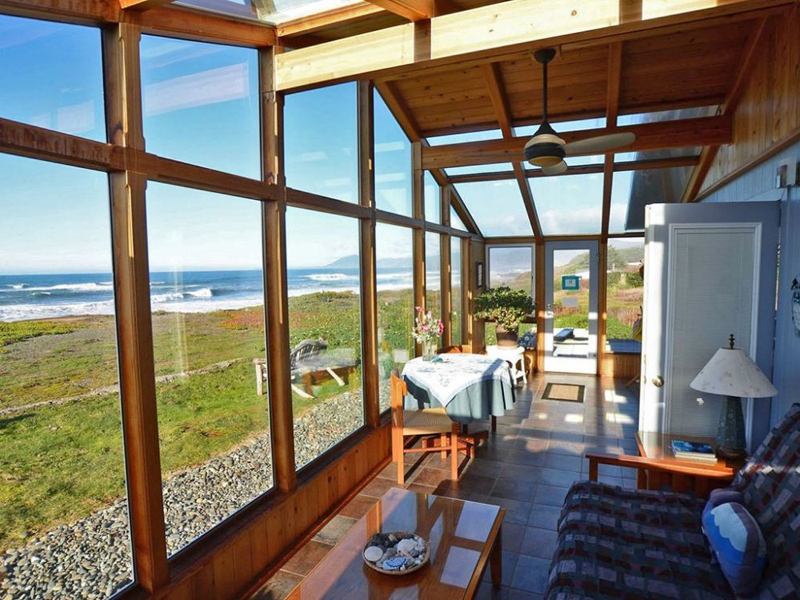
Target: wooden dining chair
{"points": [[425, 422]]}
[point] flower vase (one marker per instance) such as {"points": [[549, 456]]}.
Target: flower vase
{"points": [[428, 350]]}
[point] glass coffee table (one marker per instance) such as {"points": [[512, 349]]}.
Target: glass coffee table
{"points": [[464, 536]]}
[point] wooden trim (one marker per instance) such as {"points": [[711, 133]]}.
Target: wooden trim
{"points": [[368, 280], [649, 136], [602, 301], [539, 283], [135, 5], [275, 282], [338, 16], [642, 462], [413, 10], [445, 293], [707, 155], [312, 201], [490, 33], [419, 276]]}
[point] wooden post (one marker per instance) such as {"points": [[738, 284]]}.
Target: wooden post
{"points": [[445, 287], [602, 303], [369, 301], [418, 203], [133, 317], [466, 294], [539, 277], [275, 282]]}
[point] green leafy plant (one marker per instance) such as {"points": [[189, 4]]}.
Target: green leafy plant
{"points": [[505, 306]]}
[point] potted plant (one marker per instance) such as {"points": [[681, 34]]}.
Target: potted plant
{"points": [[507, 308]]}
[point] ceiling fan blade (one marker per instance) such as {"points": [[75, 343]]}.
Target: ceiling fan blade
{"points": [[556, 169], [600, 144]]}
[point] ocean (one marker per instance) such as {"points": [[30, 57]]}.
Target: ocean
{"points": [[24, 297]]}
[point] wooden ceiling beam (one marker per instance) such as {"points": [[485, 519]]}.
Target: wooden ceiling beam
{"points": [[491, 33], [709, 153], [409, 126], [649, 136], [141, 4], [634, 165], [494, 83], [202, 26], [413, 10], [339, 16]]}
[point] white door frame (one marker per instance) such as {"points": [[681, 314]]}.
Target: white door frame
{"points": [[565, 364]]}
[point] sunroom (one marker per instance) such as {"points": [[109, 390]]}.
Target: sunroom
{"points": [[399, 299]]}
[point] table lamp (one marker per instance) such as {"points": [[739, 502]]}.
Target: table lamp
{"points": [[733, 374]]}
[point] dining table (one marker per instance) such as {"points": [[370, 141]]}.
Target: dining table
{"points": [[470, 387]]}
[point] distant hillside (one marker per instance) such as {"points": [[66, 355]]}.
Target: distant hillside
{"points": [[351, 262], [616, 257]]}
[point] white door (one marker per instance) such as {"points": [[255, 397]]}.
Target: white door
{"points": [[710, 271], [570, 324]]}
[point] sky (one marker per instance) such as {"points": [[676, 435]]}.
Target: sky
{"points": [[201, 106]]}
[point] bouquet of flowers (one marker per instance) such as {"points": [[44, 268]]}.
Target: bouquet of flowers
{"points": [[427, 331]]}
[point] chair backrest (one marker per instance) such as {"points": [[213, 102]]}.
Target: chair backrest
{"points": [[397, 391], [306, 349], [462, 349], [770, 484]]}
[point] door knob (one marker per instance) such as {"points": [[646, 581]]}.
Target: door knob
{"points": [[658, 381]]}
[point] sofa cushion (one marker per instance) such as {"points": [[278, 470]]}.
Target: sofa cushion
{"points": [[618, 543], [737, 543], [770, 486]]}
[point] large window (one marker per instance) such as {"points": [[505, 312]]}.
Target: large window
{"points": [[433, 274], [62, 476], [51, 75], [496, 206], [456, 291], [631, 191], [510, 266], [207, 296], [321, 141], [201, 104], [395, 302], [569, 204], [392, 162], [625, 291], [324, 329]]}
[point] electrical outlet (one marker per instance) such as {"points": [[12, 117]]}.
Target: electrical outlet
{"points": [[786, 174]]}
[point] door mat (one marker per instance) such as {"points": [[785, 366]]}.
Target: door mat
{"points": [[564, 392]]}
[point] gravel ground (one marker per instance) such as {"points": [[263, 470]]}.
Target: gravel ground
{"points": [[91, 558]]}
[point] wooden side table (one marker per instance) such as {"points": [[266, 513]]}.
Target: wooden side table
{"points": [[657, 467]]}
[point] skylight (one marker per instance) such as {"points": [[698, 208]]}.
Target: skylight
{"points": [[476, 169], [631, 191], [667, 115], [496, 206], [470, 136], [268, 11]]}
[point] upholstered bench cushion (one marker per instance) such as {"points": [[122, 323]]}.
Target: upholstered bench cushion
{"points": [[618, 543]]}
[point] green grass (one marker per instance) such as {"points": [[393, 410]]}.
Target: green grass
{"points": [[59, 463]]}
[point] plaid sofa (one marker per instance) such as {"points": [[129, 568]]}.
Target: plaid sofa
{"points": [[632, 544]]}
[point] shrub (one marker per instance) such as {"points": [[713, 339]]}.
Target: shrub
{"points": [[505, 306]]}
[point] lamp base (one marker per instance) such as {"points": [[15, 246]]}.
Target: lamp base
{"points": [[731, 442]]}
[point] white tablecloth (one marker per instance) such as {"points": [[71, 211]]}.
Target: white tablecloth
{"points": [[446, 378]]}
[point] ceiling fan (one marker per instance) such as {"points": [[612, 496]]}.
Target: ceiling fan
{"points": [[547, 150]]}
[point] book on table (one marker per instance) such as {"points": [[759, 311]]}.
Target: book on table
{"points": [[694, 451]]}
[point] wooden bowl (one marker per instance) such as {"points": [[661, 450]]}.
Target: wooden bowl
{"points": [[426, 555]]}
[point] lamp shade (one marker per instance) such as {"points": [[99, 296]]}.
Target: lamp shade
{"points": [[730, 372]]}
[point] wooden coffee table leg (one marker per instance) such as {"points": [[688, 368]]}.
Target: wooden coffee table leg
{"points": [[496, 558]]}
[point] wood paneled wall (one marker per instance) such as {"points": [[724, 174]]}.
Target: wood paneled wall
{"points": [[767, 118]]}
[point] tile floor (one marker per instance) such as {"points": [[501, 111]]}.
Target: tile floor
{"points": [[526, 467]]}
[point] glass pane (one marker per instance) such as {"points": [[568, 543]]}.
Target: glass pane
{"points": [[571, 307], [274, 12], [393, 249], [63, 506], [625, 287], [460, 138], [201, 104], [324, 329], [622, 157], [512, 267], [631, 191], [569, 204], [667, 115], [207, 296], [392, 162], [52, 76], [496, 206], [433, 274], [455, 290], [321, 141], [456, 222], [433, 204]]}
